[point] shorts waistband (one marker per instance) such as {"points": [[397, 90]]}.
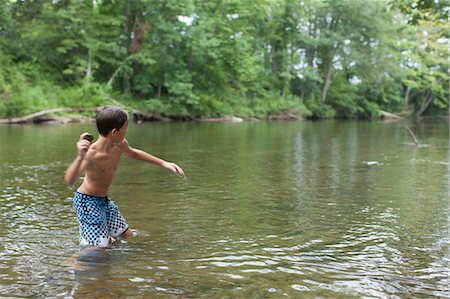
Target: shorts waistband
{"points": [[94, 197]]}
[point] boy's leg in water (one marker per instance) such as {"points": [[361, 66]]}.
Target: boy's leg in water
{"points": [[117, 226], [92, 269], [93, 254], [86, 254], [127, 234]]}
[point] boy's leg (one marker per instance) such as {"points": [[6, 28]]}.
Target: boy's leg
{"points": [[127, 234], [116, 223], [92, 219]]}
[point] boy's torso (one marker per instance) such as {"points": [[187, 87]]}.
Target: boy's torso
{"points": [[100, 170]]}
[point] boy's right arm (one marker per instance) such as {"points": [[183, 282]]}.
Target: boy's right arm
{"points": [[79, 164]]}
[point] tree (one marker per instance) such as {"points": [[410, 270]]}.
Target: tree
{"points": [[424, 54], [197, 57]]}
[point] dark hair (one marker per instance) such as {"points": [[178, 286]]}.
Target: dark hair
{"points": [[109, 118]]}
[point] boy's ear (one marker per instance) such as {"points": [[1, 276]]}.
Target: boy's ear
{"points": [[113, 131]]}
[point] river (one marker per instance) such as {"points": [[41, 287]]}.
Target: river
{"points": [[300, 209]]}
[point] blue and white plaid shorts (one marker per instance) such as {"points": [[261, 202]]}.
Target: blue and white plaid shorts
{"points": [[99, 218]]}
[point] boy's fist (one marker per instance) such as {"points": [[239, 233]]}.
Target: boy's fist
{"points": [[88, 136], [84, 143]]}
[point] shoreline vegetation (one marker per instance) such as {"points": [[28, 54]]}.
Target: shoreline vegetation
{"points": [[78, 114], [74, 115], [234, 60]]}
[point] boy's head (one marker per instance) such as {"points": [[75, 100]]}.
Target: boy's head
{"points": [[109, 118]]}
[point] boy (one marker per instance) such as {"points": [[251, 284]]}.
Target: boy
{"points": [[99, 217]]}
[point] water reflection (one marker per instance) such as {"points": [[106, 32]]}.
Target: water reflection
{"points": [[92, 273]]}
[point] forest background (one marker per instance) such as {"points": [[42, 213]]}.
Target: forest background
{"points": [[250, 58]]}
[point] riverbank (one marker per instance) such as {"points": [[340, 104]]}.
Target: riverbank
{"points": [[77, 114], [66, 115]]}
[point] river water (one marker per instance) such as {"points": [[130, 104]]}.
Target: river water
{"points": [[268, 210]]}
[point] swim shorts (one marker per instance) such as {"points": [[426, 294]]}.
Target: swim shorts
{"points": [[99, 218]]}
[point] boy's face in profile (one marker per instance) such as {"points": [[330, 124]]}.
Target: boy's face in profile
{"points": [[120, 134]]}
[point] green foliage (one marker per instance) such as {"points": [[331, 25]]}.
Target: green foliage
{"points": [[87, 95], [15, 90], [270, 103], [368, 109], [24, 90], [320, 110], [315, 58]]}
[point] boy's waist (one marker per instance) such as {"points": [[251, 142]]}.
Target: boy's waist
{"points": [[92, 196]]}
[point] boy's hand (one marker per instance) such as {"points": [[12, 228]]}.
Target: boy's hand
{"points": [[83, 146], [174, 168]]}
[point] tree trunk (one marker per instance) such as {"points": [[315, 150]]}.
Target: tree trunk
{"points": [[310, 49], [406, 100], [111, 79], [327, 83], [161, 80], [127, 31], [287, 76], [127, 84], [140, 29], [36, 116], [426, 103], [159, 90], [274, 59], [89, 66]]}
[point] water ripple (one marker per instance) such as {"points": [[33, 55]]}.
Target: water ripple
{"points": [[367, 267]]}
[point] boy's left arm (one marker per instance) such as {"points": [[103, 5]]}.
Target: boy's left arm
{"points": [[144, 156]]}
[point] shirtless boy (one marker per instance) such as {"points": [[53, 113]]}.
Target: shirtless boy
{"points": [[98, 216]]}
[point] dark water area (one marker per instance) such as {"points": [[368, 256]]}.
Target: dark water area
{"points": [[268, 210]]}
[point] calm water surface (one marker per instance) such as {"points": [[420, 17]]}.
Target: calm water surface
{"points": [[268, 210]]}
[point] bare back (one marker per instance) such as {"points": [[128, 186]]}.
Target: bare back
{"points": [[101, 165]]}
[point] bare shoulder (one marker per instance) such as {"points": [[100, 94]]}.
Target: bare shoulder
{"points": [[127, 149], [90, 154], [124, 145]]}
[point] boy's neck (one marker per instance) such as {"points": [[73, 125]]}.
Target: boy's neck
{"points": [[105, 143]]}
